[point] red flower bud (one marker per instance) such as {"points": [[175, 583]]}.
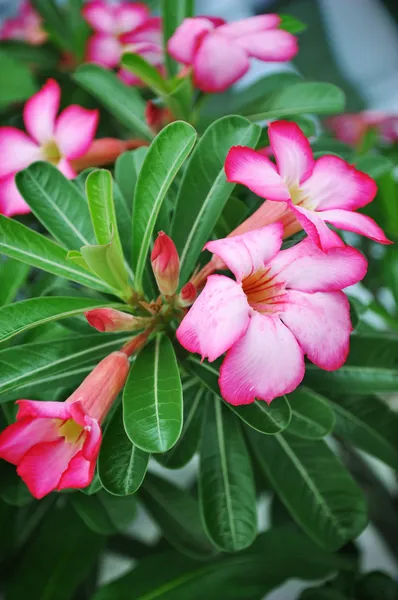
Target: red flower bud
{"points": [[110, 320], [156, 116], [165, 264], [188, 294]]}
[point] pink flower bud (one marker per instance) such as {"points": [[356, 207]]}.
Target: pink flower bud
{"points": [[156, 116], [165, 264], [188, 294], [110, 320], [55, 445]]}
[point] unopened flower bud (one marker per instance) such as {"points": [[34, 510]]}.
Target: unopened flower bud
{"points": [[165, 264], [110, 320], [188, 294], [156, 116]]}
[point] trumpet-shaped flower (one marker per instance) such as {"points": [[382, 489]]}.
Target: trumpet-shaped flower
{"points": [[55, 444], [309, 193], [282, 306], [57, 140], [219, 53], [26, 26]]}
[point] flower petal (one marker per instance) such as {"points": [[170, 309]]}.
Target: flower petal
{"points": [[100, 16], [336, 184], [36, 408], [17, 151], [11, 201], [255, 171], [356, 222], [313, 223], [183, 43], [79, 474], [292, 151], [265, 363], [129, 16], [40, 111], [221, 308], [19, 437], [75, 130], [104, 49], [66, 169], [149, 32], [321, 324], [93, 440], [275, 45], [244, 27], [247, 253]]}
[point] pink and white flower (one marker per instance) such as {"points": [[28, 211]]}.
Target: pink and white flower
{"points": [[26, 26], [282, 306], [120, 27], [219, 53], [351, 128], [301, 192], [57, 140], [55, 445]]}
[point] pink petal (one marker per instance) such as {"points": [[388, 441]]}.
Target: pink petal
{"points": [[336, 184], [75, 130], [356, 222], [275, 45], [36, 408], [100, 16], [43, 466], [11, 201], [93, 440], [17, 151], [79, 473], [321, 323], [244, 27], [221, 309], [150, 31], [265, 363], [250, 252], [66, 169], [313, 223], [40, 111], [19, 437], [153, 53], [255, 171], [183, 43], [292, 151], [129, 78], [307, 268], [218, 63], [104, 49], [130, 16]]}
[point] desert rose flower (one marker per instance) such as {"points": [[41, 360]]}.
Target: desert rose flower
{"points": [[351, 128], [301, 192], [165, 264], [219, 53], [57, 140], [110, 320], [55, 445], [26, 26], [282, 306]]}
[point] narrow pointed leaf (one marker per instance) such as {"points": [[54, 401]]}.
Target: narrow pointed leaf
{"points": [[102, 209], [127, 168], [173, 16], [12, 276], [103, 513], [107, 262], [353, 380], [146, 72], [312, 417]]}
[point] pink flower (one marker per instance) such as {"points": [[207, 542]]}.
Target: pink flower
{"points": [[165, 264], [111, 320], [282, 306], [120, 27], [55, 444], [219, 52], [26, 26], [351, 128], [57, 140], [302, 192]]}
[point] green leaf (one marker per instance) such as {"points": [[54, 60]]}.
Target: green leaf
{"points": [[56, 23], [57, 203], [373, 350], [165, 157], [178, 516], [152, 398], [182, 452], [322, 593], [352, 380], [28, 363], [136, 64], [369, 424], [268, 419], [42, 57], [234, 213], [376, 586], [13, 491], [127, 168], [375, 165], [305, 97], [314, 486], [121, 465], [291, 24], [204, 190], [107, 262], [12, 275], [24, 244], [122, 101], [23, 315], [173, 15], [20, 83], [103, 513], [312, 418], [226, 485]]}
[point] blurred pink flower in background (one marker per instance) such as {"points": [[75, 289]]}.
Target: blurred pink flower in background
{"points": [[351, 128], [26, 26]]}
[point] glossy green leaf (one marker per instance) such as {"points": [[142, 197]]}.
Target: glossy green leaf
{"points": [[165, 157], [12, 275], [103, 513], [352, 380], [268, 419], [57, 203], [121, 465], [177, 513], [312, 417], [108, 264], [23, 315], [145, 71], [376, 586], [369, 424], [305, 97], [42, 57], [204, 190], [57, 24], [373, 350], [375, 165], [123, 102], [314, 486], [127, 167], [13, 491], [20, 82], [226, 485], [173, 15], [24, 244], [291, 24], [152, 398]]}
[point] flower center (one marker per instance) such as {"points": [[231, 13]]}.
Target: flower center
{"points": [[262, 291], [71, 431], [51, 152]]}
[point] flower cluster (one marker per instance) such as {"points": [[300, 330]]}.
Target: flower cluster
{"points": [[26, 26]]}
